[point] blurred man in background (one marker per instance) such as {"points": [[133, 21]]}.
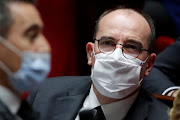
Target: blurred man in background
{"points": [[24, 57]]}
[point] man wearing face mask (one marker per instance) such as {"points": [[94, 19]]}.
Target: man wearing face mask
{"points": [[120, 57], [24, 57]]}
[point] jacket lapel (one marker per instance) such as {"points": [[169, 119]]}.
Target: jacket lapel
{"points": [[139, 109], [67, 107]]}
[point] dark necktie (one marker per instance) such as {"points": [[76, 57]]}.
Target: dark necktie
{"points": [[25, 111], [94, 114], [99, 114]]}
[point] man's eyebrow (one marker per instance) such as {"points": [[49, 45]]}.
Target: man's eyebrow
{"points": [[33, 27], [107, 37], [130, 40], [135, 42]]}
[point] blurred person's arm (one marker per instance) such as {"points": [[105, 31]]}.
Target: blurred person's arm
{"points": [[165, 74]]}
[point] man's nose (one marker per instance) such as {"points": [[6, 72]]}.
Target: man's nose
{"points": [[119, 46], [43, 45]]}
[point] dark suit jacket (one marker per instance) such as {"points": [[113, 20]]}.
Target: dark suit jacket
{"points": [[5, 114], [61, 98], [165, 72], [25, 112]]}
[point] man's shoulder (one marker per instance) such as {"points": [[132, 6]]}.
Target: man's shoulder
{"points": [[66, 81], [69, 91], [5, 113], [61, 86], [146, 106], [156, 109], [154, 102]]}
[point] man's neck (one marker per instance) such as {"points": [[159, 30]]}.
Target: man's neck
{"points": [[4, 81], [106, 100]]}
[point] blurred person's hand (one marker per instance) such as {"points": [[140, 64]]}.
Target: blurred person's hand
{"points": [[172, 93]]}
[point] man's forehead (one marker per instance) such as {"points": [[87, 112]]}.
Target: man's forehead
{"points": [[128, 13], [24, 12], [124, 16]]}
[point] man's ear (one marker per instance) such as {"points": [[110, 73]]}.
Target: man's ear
{"points": [[151, 61], [89, 50]]}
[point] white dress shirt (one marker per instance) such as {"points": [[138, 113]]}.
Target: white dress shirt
{"points": [[112, 111], [10, 100]]}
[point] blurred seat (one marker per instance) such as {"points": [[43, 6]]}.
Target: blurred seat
{"points": [[162, 42], [168, 100]]}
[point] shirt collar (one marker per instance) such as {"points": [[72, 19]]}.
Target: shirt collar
{"points": [[91, 101], [112, 111], [9, 99]]}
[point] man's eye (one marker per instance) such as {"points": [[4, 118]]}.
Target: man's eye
{"points": [[107, 43], [129, 46], [32, 35]]}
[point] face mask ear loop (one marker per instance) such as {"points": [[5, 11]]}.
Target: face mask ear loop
{"points": [[142, 63], [5, 68], [10, 46], [94, 51]]}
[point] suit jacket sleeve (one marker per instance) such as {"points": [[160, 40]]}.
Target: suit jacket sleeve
{"points": [[165, 72]]}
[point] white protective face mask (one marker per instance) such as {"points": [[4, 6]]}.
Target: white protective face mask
{"points": [[114, 76]]}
